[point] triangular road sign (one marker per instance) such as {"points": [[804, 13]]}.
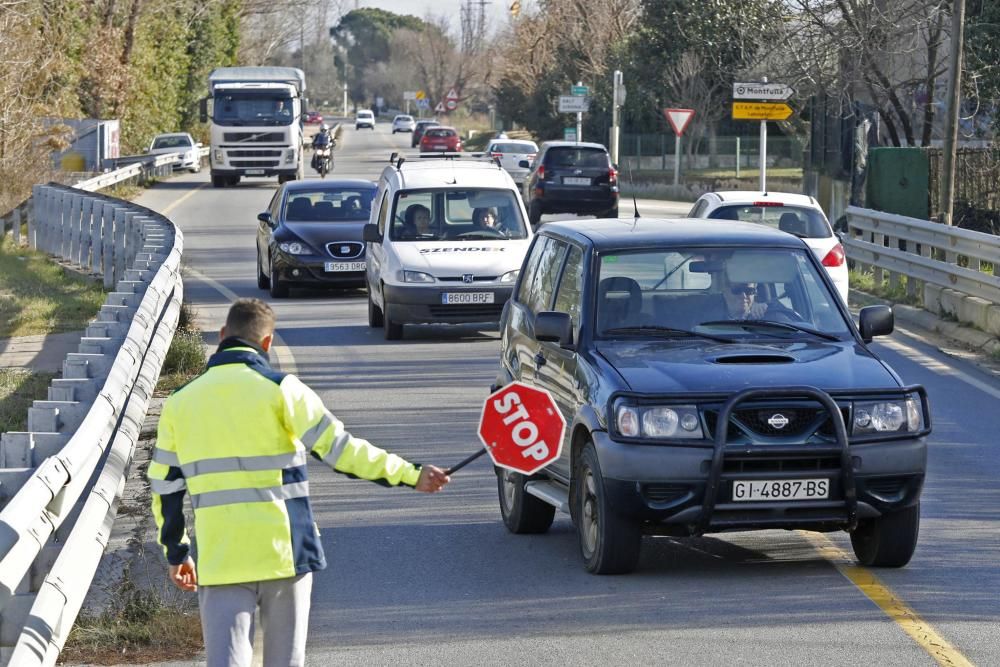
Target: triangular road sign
{"points": [[452, 95], [439, 108], [678, 119]]}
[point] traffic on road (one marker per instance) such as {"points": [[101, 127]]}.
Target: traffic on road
{"points": [[490, 570]]}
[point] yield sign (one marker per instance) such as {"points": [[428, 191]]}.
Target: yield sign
{"points": [[452, 95], [678, 119], [521, 428]]}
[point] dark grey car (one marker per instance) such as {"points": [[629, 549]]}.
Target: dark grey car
{"points": [[310, 235], [651, 336], [571, 177]]}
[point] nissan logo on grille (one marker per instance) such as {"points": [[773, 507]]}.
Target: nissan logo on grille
{"points": [[778, 421], [345, 249]]}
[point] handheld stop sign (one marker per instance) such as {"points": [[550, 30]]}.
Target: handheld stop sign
{"points": [[521, 429]]}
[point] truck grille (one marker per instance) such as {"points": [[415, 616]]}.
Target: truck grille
{"points": [[262, 137], [800, 421], [275, 153], [266, 164]]}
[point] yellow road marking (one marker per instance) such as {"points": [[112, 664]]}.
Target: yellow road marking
{"points": [[180, 201], [919, 630]]}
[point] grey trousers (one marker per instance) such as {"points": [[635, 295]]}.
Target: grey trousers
{"points": [[227, 621]]}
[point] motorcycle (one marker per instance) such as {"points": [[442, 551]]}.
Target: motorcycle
{"points": [[323, 160]]}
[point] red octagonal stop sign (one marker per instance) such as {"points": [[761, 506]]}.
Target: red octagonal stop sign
{"points": [[522, 428]]}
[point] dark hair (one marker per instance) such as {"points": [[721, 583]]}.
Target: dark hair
{"points": [[411, 213], [251, 319]]}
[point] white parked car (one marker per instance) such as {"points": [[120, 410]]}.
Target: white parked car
{"points": [[178, 142], [445, 242], [364, 118], [796, 214], [510, 152], [403, 123]]}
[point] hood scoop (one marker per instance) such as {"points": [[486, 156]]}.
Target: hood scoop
{"points": [[754, 358]]}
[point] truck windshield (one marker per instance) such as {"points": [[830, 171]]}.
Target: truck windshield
{"points": [[252, 109]]}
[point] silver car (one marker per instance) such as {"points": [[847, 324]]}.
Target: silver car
{"points": [[402, 123], [510, 152], [178, 142]]}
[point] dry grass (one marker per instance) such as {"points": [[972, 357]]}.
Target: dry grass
{"points": [[37, 297], [186, 356], [18, 388]]}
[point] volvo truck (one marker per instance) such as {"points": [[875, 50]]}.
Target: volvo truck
{"points": [[256, 123]]}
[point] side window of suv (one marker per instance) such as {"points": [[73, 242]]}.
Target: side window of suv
{"points": [[539, 295], [530, 271], [568, 297]]}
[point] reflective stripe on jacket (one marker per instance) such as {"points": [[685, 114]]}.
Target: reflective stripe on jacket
{"points": [[237, 439]]}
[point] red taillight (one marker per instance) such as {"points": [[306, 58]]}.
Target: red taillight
{"points": [[530, 157], [496, 155], [767, 203], [835, 257], [612, 177], [541, 172]]}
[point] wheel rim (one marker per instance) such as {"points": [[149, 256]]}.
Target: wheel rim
{"points": [[509, 488], [589, 514]]}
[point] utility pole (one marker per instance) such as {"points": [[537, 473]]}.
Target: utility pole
{"points": [[954, 100], [617, 99], [579, 121]]}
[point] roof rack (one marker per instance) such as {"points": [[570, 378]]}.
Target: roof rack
{"points": [[451, 155]]}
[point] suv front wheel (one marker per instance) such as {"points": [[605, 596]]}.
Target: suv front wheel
{"points": [[889, 540], [522, 512], [609, 543]]}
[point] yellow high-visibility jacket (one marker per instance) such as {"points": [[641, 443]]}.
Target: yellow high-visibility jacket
{"points": [[237, 438]]}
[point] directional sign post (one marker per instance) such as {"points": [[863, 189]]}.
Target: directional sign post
{"points": [[521, 429], [678, 119], [762, 110]]}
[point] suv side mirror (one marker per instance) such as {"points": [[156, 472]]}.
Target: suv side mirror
{"points": [[370, 234], [554, 327], [524, 164], [875, 321], [265, 217]]}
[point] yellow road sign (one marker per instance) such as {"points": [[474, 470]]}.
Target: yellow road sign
{"points": [[761, 111], [421, 94]]}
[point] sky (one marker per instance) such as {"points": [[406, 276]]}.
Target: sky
{"points": [[496, 10]]}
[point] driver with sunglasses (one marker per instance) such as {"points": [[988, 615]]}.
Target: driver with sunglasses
{"points": [[741, 301]]}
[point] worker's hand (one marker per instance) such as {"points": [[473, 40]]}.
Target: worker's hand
{"points": [[432, 479], [184, 576]]}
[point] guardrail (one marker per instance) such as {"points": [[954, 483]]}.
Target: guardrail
{"points": [[61, 479], [929, 254]]}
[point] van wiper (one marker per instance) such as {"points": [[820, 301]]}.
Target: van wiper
{"points": [[667, 332], [775, 325]]}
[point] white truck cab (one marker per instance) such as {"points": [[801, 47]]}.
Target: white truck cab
{"points": [[445, 240]]}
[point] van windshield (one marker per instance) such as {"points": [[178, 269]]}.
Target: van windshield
{"points": [[473, 214]]}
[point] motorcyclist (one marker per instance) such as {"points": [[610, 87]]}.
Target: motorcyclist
{"points": [[322, 141]]}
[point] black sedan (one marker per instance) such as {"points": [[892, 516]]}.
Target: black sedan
{"points": [[310, 235]]}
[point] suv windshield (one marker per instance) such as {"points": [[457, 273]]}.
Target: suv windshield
{"points": [[349, 204], [735, 292], [577, 157], [803, 222], [457, 215], [171, 142]]}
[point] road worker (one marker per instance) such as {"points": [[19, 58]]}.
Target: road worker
{"points": [[236, 439]]}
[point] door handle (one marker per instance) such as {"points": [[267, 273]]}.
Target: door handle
{"points": [[540, 359]]}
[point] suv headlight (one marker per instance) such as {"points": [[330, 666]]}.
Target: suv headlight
{"points": [[416, 277], [658, 421], [293, 248], [890, 416], [509, 277]]}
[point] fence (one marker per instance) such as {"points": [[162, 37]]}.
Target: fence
{"points": [[656, 151], [61, 479], [953, 269], [977, 179]]}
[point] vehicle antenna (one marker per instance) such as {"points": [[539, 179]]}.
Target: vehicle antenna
{"points": [[635, 204]]}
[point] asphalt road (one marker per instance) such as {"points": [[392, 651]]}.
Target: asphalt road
{"points": [[422, 580]]}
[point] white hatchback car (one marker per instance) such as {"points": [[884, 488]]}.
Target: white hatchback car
{"points": [[364, 118], [796, 214], [178, 142], [446, 239], [402, 123], [510, 152]]}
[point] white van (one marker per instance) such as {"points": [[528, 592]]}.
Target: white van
{"points": [[364, 118], [445, 240]]}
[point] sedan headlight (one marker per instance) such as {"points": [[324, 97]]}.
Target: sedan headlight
{"points": [[509, 277], [416, 277], [293, 248], [892, 416], [658, 422]]}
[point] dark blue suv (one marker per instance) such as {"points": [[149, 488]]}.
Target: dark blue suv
{"points": [[711, 380]]}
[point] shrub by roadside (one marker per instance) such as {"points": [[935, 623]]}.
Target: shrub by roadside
{"points": [[186, 356]]}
